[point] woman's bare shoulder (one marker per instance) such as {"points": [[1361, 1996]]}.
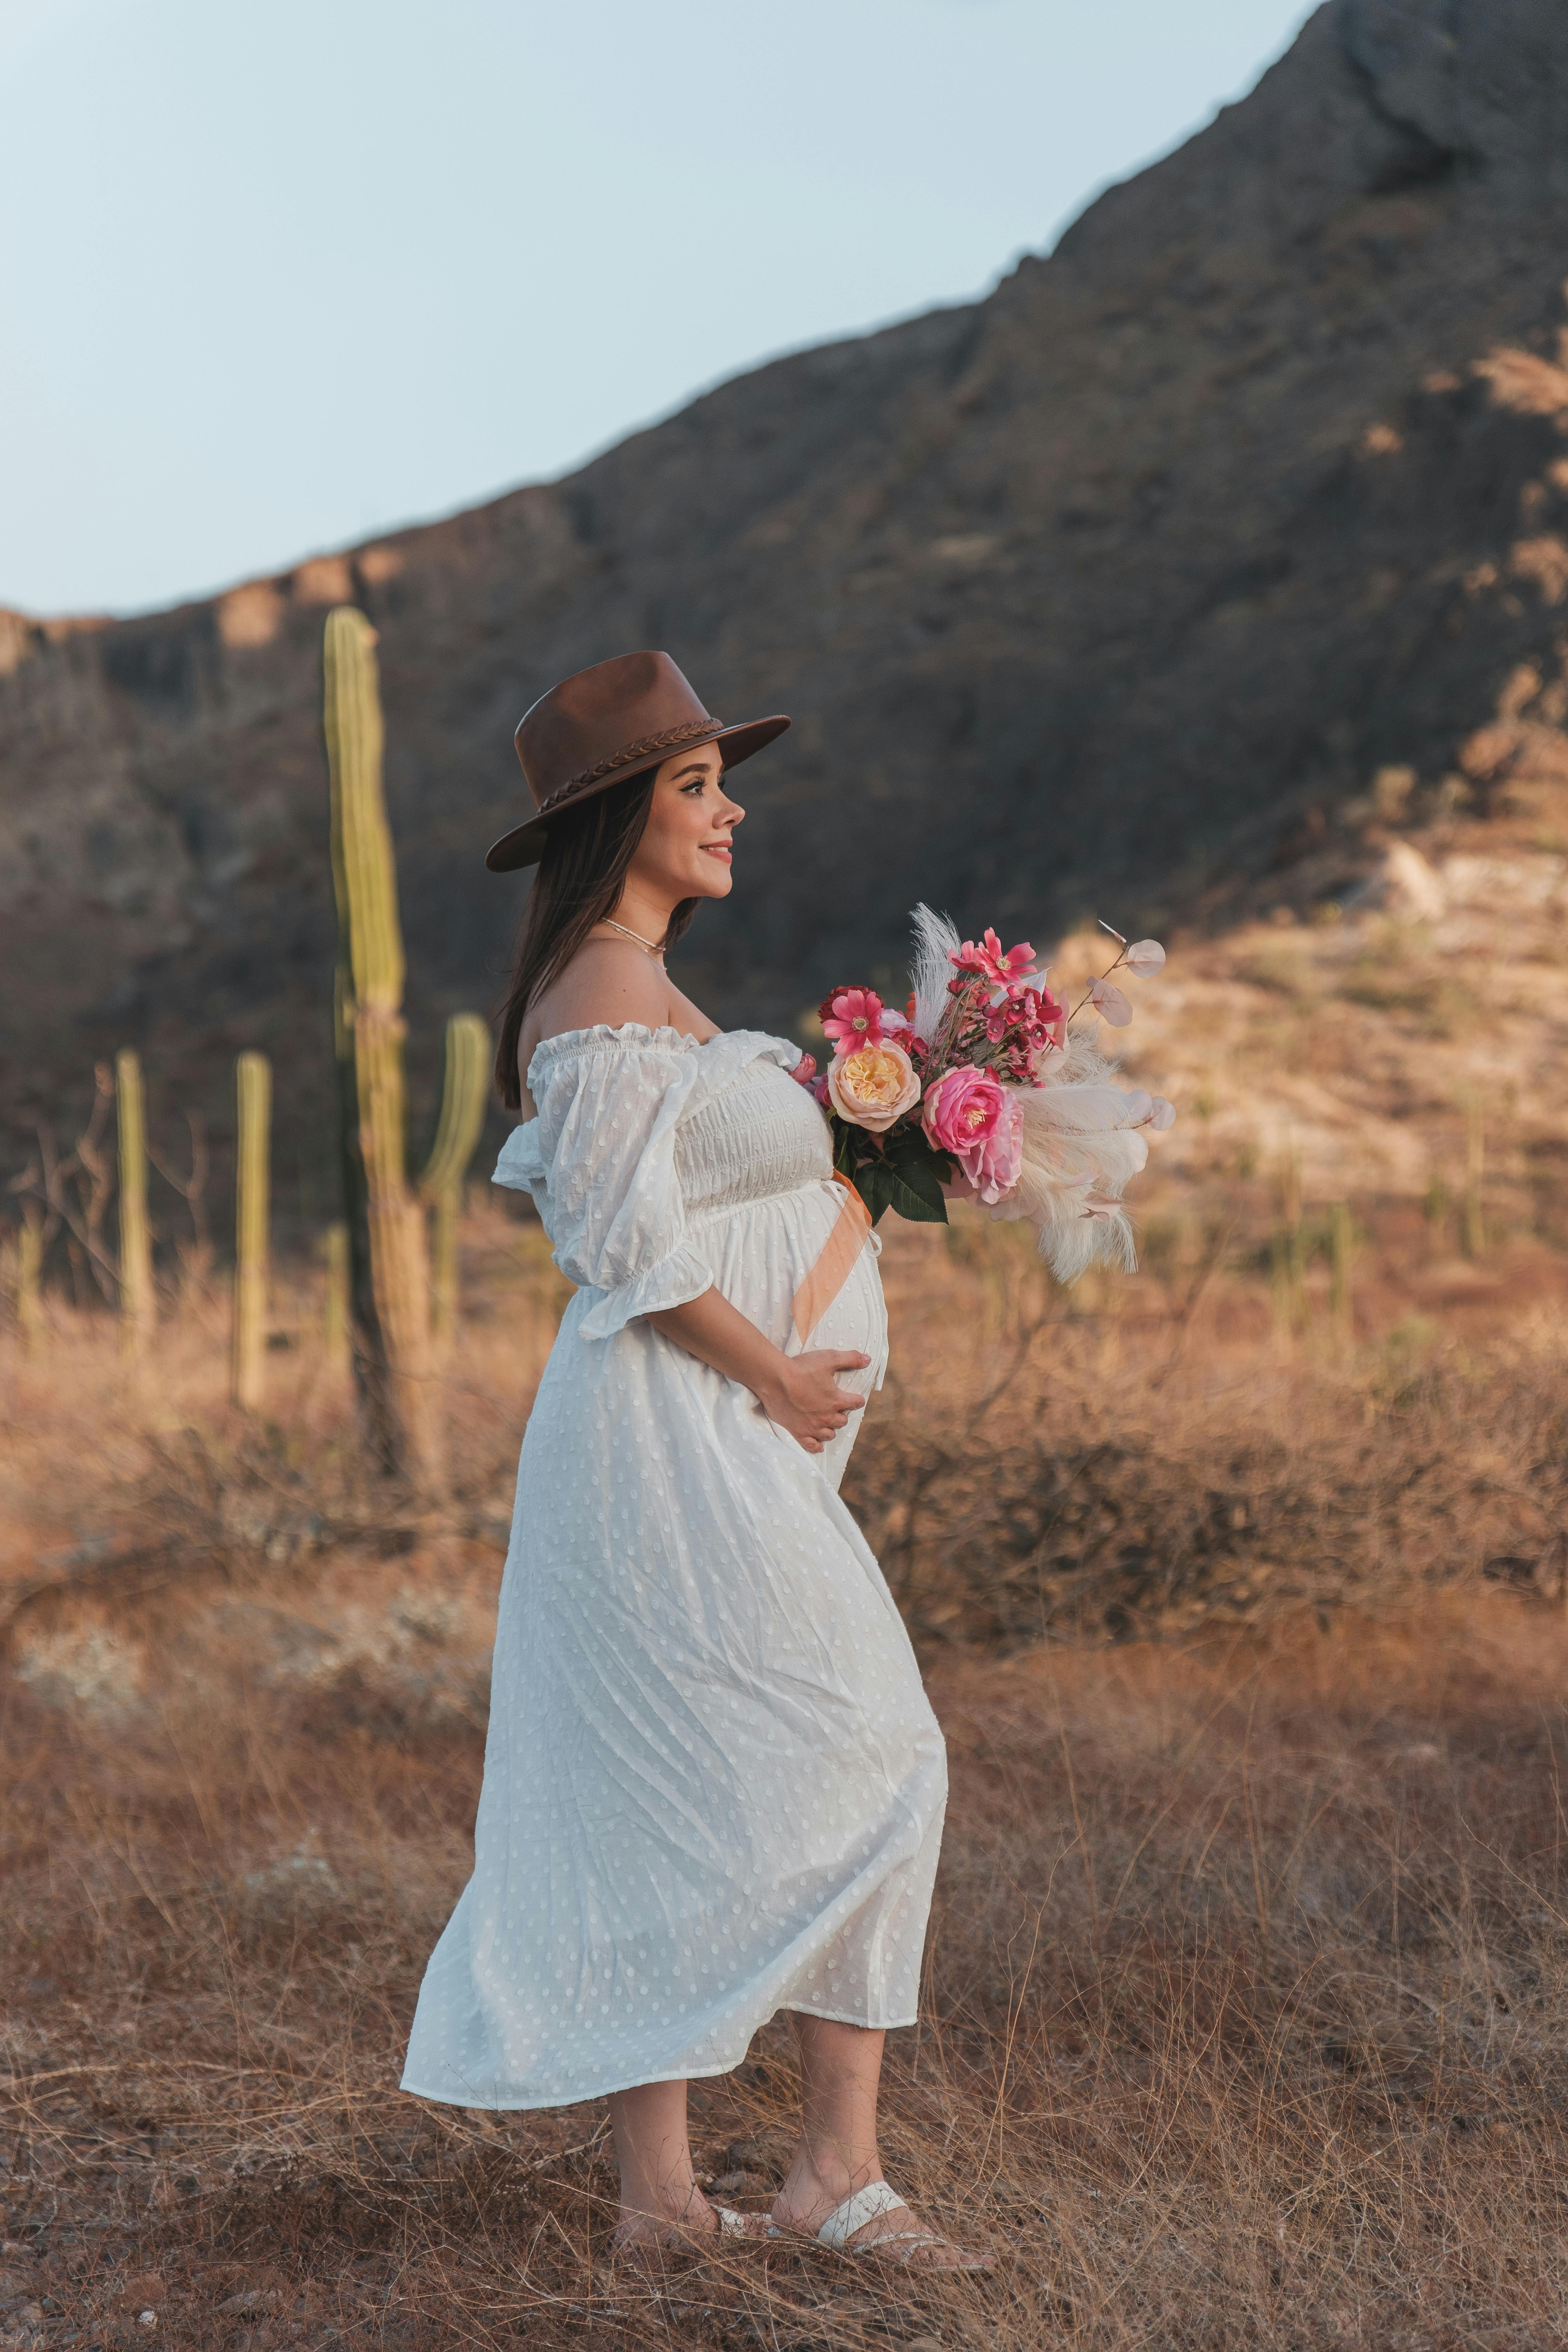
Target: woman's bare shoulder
{"points": [[607, 981]]}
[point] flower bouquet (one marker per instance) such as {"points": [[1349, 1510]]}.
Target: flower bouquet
{"points": [[983, 1082]]}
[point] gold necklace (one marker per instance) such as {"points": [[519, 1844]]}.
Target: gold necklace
{"points": [[648, 945]]}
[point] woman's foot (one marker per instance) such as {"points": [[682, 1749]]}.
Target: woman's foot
{"points": [[663, 2211], [695, 2228], [814, 2194]]}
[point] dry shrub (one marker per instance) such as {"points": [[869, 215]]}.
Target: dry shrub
{"points": [[1079, 1481]]}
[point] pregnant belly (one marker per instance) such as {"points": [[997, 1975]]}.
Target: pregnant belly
{"points": [[761, 1254]]}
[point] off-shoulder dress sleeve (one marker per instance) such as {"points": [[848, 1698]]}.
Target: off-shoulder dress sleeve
{"points": [[607, 1108]]}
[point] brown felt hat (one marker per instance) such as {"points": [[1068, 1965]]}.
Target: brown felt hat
{"points": [[606, 723]]}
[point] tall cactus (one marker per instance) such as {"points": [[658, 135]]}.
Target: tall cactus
{"points": [[336, 1321], [30, 1271], [389, 1274], [252, 1078], [136, 1303], [464, 1094]]}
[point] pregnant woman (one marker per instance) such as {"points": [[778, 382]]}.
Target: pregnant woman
{"points": [[713, 1786]]}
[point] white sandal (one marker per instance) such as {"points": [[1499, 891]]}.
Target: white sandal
{"points": [[865, 2205]]}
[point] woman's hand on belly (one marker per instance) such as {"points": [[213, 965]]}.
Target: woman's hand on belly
{"points": [[808, 1400], [800, 1392]]}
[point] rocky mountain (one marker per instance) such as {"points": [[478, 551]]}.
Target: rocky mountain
{"points": [[1154, 584]]}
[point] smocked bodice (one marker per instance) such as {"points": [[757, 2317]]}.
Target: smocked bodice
{"points": [[761, 1135], [643, 1140]]}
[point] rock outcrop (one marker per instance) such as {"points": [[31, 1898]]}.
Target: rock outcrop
{"points": [[1125, 590]]}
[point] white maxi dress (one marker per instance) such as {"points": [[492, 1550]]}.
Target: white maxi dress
{"points": [[713, 1785]]}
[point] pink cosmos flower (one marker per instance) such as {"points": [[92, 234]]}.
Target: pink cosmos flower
{"points": [[1005, 971], [970, 1114], [858, 1018], [873, 1085]]}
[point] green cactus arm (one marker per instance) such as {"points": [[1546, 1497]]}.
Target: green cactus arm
{"points": [[252, 1178], [365, 873], [253, 1085], [464, 1094], [135, 1239]]}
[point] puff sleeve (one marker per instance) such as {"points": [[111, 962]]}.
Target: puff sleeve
{"points": [[604, 1148]]}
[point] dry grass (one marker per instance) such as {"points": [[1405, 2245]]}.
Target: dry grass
{"points": [[1246, 2005], [1245, 2021]]}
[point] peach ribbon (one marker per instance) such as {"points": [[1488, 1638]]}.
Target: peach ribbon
{"points": [[836, 1256]]}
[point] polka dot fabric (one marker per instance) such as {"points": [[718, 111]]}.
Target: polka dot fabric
{"points": [[713, 1785]]}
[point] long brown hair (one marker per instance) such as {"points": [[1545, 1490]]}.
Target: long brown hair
{"points": [[587, 853]]}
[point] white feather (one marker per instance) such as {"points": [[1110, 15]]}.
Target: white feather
{"points": [[931, 968], [1083, 1141]]}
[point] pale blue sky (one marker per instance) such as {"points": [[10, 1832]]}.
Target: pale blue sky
{"points": [[274, 277]]}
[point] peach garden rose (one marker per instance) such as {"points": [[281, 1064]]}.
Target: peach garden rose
{"points": [[874, 1086]]}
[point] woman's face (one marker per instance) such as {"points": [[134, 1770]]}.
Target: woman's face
{"points": [[684, 851]]}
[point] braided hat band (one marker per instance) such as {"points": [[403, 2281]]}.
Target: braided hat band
{"points": [[648, 747]]}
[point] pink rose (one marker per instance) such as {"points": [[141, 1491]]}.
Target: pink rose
{"points": [[873, 1086], [970, 1114], [804, 1070]]}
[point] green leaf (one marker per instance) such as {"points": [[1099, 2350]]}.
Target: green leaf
{"points": [[846, 1142], [875, 1183], [916, 1192], [913, 1149]]}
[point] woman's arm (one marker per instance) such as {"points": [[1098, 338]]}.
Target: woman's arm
{"points": [[613, 982], [800, 1392]]}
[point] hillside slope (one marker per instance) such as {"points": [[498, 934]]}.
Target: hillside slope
{"points": [[1120, 590]]}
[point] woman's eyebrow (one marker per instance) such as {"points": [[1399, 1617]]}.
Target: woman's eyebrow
{"points": [[697, 768]]}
